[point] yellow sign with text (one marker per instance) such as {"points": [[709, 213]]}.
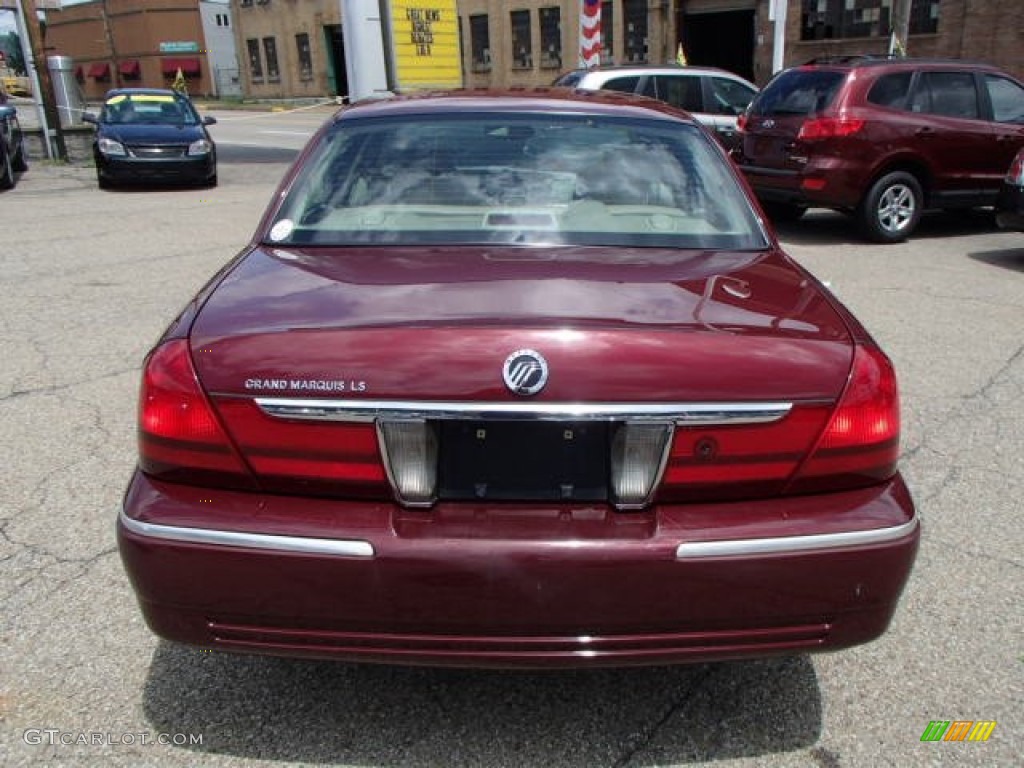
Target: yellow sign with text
{"points": [[425, 42]]}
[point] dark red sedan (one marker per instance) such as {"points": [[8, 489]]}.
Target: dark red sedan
{"points": [[517, 380]]}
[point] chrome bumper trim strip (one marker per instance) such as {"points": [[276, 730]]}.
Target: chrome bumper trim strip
{"points": [[372, 410], [785, 544], [338, 547]]}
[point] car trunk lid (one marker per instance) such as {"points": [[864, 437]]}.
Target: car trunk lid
{"points": [[344, 371]]}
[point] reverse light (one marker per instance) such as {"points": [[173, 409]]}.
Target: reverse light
{"points": [[110, 147], [178, 430], [829, 128], [200, 147], [410, 456], [638, 458]]}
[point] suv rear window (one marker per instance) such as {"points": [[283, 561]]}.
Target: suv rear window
{"points": [[798, 92]]}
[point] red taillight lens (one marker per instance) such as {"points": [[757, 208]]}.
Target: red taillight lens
{"points": [[179, 434], [741, 122], [325, 458], [740, 461], [829, 128], [860, 445], [1016, 173]]}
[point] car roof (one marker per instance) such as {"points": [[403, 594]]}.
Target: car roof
{"points": [[536, 100], [859, 61], [143, 91], [676, 69]]}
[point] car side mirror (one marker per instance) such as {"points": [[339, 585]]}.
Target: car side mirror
{"points": [[89, 117], [209, 120]]}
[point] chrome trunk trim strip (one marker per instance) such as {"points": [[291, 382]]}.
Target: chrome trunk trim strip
{"points": [[338, 547], [681, 414], [695, 550]]}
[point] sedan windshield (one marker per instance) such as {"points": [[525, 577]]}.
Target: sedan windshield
{"points": [[517, 178]]}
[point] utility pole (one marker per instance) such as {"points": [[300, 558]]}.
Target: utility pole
{"points": [[43, 83], [109, 34]]}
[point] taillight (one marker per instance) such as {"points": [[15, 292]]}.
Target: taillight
{"points": [[741, 122], [179, 434], [1016, 173], [328, 458], [742, 460], [829, 128], [860, 445]]}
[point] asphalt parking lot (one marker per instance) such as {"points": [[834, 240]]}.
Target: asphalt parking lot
{"points": [[88, 281]]}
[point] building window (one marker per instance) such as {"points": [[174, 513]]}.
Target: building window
{"points": [[270, 51], [245, 3], [634, 18], [522, 47], [833, 19], [223, 20], [305, 57], [480, 41], [607, 34], [255, 63], [551, 38], [924, 17]]}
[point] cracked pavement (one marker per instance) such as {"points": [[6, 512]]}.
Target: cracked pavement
{"points": [[88, 281]]}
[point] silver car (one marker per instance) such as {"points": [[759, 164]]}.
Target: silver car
{"points": [[713, 96]]}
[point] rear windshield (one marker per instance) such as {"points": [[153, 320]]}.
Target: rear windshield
{"points": [[798, 92], [517, 178]]}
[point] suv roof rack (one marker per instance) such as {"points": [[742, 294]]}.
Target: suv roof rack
{"points": [[852, 58]]}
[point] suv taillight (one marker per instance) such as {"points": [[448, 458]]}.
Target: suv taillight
{"points": [[1015, 175], [180, 436], [829, 128], [861, 444]]}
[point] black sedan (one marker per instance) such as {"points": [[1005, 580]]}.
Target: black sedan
{"points": [[1010, 205], [12, 143], [150, 136]]}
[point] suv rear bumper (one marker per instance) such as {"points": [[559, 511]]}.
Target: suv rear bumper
{"points": [[825, 183]]}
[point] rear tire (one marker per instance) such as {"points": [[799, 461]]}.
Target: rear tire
{"points": [[784, 211], [892, 208]]}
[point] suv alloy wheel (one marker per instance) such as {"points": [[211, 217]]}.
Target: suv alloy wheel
{"points": [[892, 207]]}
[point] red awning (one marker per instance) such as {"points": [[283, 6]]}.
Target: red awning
{"points": [[129, 68], [188, 66], [99, 69]]}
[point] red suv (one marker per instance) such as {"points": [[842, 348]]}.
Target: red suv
{"points": [[882, 139]]}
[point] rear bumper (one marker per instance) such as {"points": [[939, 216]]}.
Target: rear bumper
{"points": [[516, 587], [826, 182]]}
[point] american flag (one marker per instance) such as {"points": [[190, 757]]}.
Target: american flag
{"points": [[590, 33]]}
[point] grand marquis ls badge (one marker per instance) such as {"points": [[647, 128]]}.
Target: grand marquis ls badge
{"points": [[525, 372]]}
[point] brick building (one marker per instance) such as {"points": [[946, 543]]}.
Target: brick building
{"points": [[139, 43], [292, 48]]}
